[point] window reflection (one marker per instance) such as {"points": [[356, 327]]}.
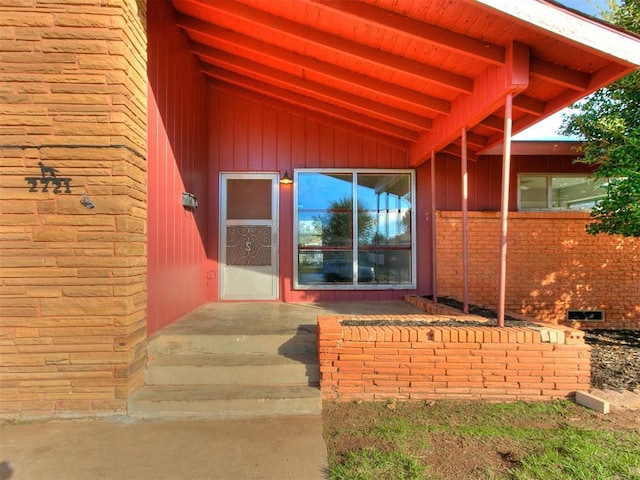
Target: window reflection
{"points": [[559, 192], [354, 229]]}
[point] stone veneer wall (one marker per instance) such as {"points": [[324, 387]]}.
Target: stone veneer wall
{"points": [[435, 362], [553, 266], [73, 287]]}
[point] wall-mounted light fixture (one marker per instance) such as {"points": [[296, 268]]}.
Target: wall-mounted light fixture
{"points": [[286, 179], [189, 201]]}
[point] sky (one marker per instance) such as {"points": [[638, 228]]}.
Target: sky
{"points": [[547, 128]]}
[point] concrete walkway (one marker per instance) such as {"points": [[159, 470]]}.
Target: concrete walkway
{"points": [[278, 447], [281, 447]]}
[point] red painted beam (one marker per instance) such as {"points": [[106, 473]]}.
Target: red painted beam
{"points": [[597, 80], [310, 103], [490, 90], [455, 150], [324, 41], [493, 122], [476, 140], [432, 34], [213, 35], [529, 105], [311, 89], [559, 74]]}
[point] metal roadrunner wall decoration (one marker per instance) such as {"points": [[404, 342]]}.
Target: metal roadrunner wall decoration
{"points": [[49, 176]]}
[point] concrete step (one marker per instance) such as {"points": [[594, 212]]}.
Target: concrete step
{"points": [[303, 341], [223, 401], [233, 369]]}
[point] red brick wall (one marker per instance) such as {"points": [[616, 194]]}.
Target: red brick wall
{"points": [[552, 266], [412, 363]]}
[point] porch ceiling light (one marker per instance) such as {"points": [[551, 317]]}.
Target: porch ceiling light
{"points": [[286, 179]]}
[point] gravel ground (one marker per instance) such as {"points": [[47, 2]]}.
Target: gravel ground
{"points": [[615, 359]]}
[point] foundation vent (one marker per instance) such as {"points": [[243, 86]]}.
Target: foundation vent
{"points": [[585, 315]]}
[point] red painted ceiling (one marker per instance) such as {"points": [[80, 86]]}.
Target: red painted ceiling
{"points": [[412, 72]]}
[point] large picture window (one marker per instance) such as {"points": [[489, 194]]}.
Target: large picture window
{"points": [[354, 229], [558, 192]]}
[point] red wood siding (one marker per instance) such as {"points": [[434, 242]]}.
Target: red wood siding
{"points": [[177, 163], [245, 135], [485, 179]]}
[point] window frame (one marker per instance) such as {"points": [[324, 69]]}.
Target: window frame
{"points": [[549, 191], [355, 248]]}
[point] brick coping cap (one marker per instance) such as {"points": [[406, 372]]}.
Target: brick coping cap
{"points": [[554, 215]]}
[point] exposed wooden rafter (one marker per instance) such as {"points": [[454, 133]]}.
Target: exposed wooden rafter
{"points": [[326, 108], [492, 122], [475, 140], [311, 89], [298, 32], [440, 37], [214, 35], [468, 110], [409, 72], [529, 105], [455, 150], [559, 75], [317, 116]]}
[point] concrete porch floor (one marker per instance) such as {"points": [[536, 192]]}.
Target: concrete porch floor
{"points": [[256, 318]]}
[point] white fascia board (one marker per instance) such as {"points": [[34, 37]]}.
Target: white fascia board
{"points": [[554, 19]]}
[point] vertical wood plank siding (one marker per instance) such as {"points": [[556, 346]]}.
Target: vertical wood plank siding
{"points": [[484, 179], [177, 163], [245, 135]]}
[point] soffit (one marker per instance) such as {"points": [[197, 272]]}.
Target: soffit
{"points": [[410, 72]]}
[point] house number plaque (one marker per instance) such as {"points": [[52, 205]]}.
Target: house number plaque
{"points": [[49, 177]]}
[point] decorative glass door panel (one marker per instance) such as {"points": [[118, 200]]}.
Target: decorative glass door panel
{"points": [[249, 245], [248, 236]]}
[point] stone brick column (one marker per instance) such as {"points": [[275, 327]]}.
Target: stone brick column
{"points": [[73, 121]]}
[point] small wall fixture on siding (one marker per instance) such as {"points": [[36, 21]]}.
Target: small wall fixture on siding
{"points": [[189, 201]]}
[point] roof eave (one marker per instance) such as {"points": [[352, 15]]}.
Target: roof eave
{"points": [[574, 27]]}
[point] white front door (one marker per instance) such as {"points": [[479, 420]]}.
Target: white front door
{"points": [[248, 236]]}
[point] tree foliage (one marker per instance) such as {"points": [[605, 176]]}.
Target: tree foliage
{"points": [[609, 121], [337, 224]]}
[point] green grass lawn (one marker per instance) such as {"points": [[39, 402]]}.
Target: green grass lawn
{"points": [[460, 440]]}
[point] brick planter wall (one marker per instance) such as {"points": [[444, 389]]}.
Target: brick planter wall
{"points": [[553, 266], [428, 362]]}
